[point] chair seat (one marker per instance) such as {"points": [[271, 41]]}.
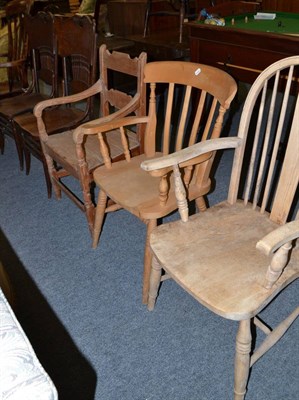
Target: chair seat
{"points": [[11, 107], [63, 146], [139, 191], [54, 120], [222, 268]]}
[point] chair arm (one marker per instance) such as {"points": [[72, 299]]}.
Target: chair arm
{"points": [[196, 150], [277, 238], [94, 89], [12, 64], [113, 121]]}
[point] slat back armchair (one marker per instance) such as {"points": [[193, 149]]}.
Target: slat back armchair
{"points": [[78, 65], [42, 48], [65, 158], [196, 99], [238, 255]]}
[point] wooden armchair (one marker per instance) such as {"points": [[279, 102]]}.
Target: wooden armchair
{"points": [[78, 59], [238, 255], [196, 99], [43, 64], [65, 158]]}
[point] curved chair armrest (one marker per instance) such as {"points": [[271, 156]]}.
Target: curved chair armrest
{"points": [[187, 154], [111, 121], [277, 238], [94, 89]]}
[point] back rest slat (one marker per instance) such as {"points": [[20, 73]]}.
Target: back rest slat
{"points": [[42, 44], [197, 119], [168, 114], [289, 177], [183, 119]]}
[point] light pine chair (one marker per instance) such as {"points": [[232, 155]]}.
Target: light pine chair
{"points": [[66, 158], [197, 97], [238, 255]]}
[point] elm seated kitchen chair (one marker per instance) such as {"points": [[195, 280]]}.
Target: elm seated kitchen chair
{"points": [[238, 255], [42, 49], [78, 59], [197, 98], [64, 157]]}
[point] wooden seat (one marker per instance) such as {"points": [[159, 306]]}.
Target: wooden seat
{"points": [[195, 101], [237, 256], [43, 65], [63, 157], [78, 59]]}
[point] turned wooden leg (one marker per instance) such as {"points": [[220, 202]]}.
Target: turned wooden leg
{"points": [[151, 224], [242, 358], [52, 173], [201, 204], [155, 280], [99, 217], [47, 178]]}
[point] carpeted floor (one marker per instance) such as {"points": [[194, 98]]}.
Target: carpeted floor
{"points": [[82, 311]]}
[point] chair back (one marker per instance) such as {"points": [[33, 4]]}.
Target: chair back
{"points": [[266, 166], [42, 45], [196, 99], [76, 38], [17, 40], [119, 70]]}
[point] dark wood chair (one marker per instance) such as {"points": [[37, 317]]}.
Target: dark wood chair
{"points": [[43, 66], [67, 159], [16, 56], [238, 255], [192, 109], [179, 11], [78, 64]]}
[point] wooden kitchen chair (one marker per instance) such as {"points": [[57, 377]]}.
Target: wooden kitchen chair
{"points": [[238, 255], [196, 100], [65, 158], [43, 66], [78, 59]]}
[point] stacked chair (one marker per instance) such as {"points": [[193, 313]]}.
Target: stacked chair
{"points": [[42, 48], [238, 255], [76, 50], [193, 106]]}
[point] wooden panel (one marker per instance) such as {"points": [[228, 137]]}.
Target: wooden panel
{"points": [[243, 54], [126, 17], [281, 5]]}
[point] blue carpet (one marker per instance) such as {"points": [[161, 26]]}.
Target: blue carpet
{"points": [[82, 311]]}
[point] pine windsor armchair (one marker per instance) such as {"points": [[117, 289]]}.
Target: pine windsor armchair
{"points": [[196, 99], [238, 255]]}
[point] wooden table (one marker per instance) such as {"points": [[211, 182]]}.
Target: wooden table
{"points": [[245, 48]]}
